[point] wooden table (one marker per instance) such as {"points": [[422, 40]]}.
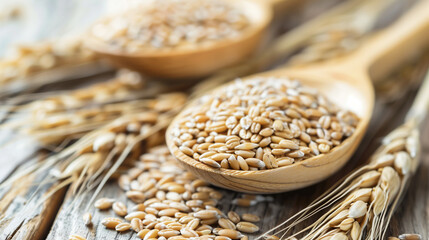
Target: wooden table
{"points": [[55, 218]]}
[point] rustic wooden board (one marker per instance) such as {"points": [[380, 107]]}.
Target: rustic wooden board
{"points": [[28, 220]]}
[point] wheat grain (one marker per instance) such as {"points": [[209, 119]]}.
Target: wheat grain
{"points": [[122, 227], [226, 223], [185, 209], [250, 217], [170, 24], [76, 237], [234, 217], [231, 233], [104, 203], [87, 219], [410, 237], [57, 117], [111, 222], [27, 60], [120, 209], [261, 123], [247, 227]]}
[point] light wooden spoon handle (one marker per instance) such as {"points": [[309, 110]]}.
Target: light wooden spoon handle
{"points": [[386, 50], [420, 106]]}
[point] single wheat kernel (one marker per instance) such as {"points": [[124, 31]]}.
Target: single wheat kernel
{"points": [[188, 233], [247, 227], [222, 238], [120, 209], [355, 232], [111, 222], [168, 212], [206, 214], [226, 223], [358, 209], [167, 233], [104, 203], [87, 219], [272, 237], [410, 237], [339, 236], [234, 217], [193, 224], [210, 162], [142, 233], [137, 214], [175, 226], [76, 237], [346, 224], [339, 217], [136, 224], [151, 234], [122, 227], [233, 234], [243, 202], [204, 232], [250, 217], [178, 238]]}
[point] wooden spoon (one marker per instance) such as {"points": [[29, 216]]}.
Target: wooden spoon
{"points": [[345, 82], [201, 60]]}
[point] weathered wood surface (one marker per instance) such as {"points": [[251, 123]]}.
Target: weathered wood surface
{"points": [[42, 221]]}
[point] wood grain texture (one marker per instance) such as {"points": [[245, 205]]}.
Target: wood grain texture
{"points": [[28, 220]]}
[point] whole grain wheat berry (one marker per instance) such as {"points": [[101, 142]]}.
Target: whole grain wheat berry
{"points": [[173, 204], [261, 123]]}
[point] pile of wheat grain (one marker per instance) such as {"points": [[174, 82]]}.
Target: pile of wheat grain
{"points": [[171, 203], [166, 24], [261, 123]]}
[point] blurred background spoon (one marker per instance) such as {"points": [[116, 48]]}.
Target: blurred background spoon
{"points": [[199, 60]]}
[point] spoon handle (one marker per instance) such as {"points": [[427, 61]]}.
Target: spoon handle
{"points": [[420, 106], [402, 40]]}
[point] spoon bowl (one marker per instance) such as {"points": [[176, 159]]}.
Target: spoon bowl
{"points": [[345, 82], [338, 88], [199, 60]]}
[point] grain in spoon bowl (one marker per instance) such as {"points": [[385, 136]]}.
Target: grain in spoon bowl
{"points": [[164, 25], [181, 39], [259, 124]]}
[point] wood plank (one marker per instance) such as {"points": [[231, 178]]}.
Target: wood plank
{"points": [[22, 219]]}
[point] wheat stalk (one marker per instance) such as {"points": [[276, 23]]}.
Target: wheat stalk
{"points": [[98, 154], [28, 67], [361, 205], [66, 115], [121, 87]]}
